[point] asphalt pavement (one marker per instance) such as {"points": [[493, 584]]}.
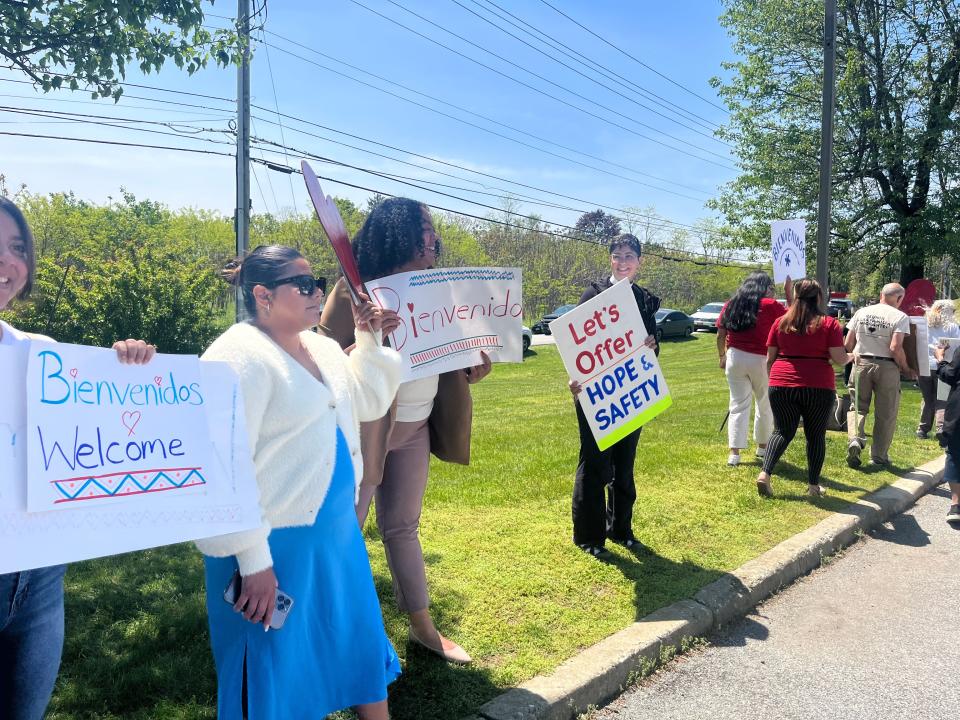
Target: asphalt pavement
{"points": [[869, 635]]}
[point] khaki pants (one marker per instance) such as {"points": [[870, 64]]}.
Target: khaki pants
{"points": [[880, 379]]}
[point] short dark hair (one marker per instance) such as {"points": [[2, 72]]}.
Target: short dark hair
{"points": [[626, 240], [264, 264], [23, 228], [391, 236]]}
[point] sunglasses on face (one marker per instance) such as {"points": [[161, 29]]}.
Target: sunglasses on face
{"points": [[307, 285]]}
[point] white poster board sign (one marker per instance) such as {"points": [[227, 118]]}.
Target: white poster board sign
{"points": [[789, 249], [449, 315], [103, 433], [229, 501], [601, 343]]}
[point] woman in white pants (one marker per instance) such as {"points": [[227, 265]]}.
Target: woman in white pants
{"points": [[742, 330]]}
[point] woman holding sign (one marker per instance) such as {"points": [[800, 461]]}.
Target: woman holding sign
{"points": [[941, 326], [800, 348], [304, 400], [31, 601], [430, 415], [597, 518], [742, 330]]}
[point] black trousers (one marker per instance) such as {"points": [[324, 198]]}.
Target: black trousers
{"points": [[599, 513], [789, 405]]}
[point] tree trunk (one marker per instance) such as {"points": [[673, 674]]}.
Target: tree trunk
{"points": [[911, 257], [910, 272]]}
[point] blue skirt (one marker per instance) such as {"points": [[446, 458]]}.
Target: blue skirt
{"points": [[332, 653]]}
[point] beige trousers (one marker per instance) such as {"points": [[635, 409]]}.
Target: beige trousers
{"points": [[879, 380], [399, 496]]}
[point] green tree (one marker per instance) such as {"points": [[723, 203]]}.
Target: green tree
{"points": [[896, 179], [92, 42], [598, 225]]}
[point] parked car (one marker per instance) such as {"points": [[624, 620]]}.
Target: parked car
{"points": [[840, 308], [673, 323], [527, 337], [706, 317], [542, 326]]}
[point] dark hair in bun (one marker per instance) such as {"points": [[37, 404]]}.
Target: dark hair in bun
{"points": [[264, 264]]}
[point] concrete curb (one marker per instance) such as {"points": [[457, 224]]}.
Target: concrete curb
{"points": [[599, 673]]}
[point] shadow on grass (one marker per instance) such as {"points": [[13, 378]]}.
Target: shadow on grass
{"points": [[430, 688], [137, 643]]}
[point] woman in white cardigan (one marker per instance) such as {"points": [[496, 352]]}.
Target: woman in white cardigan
{"points": [[304, 400]]}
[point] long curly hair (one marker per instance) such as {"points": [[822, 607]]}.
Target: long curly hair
{"points": [[742, 309], [391, 236], [941, 314], [23, 228]]}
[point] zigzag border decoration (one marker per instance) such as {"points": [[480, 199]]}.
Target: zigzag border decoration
{"points": [[98, 487], [455, 347]]}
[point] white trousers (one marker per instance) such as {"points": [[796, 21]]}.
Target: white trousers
{"points": [[747, 377]]}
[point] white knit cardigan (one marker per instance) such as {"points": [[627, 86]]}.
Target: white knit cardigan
{"points": [[292, 421]]}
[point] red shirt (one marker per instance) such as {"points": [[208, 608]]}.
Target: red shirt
{"points": [[804, 360], [754, 340]]}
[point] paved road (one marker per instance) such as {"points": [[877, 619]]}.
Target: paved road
{"points": [[872, 635]]}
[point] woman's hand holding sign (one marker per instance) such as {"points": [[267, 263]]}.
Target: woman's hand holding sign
{"points": [[134, 352], [366, 315]]}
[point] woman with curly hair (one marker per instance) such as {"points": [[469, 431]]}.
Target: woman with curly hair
{"points": [[742, 330], [430, 415], [940, 325]]}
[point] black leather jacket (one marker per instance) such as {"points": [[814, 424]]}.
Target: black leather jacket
{"points": [[647, 302]]}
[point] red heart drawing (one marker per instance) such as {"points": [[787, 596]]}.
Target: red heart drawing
{"points": [[158, 380], [130, 420], [73, 373], [410, 307]]}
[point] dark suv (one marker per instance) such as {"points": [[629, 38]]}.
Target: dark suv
{"points": [[542, 326], [840, 308]]}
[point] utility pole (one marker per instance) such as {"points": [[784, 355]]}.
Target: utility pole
{"points": [[826, 144], [242, 212]]}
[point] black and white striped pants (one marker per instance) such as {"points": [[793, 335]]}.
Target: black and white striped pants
{"points": [[789, 404]]}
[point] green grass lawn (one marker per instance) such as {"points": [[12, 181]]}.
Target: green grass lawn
{"points": [[506, 580]]}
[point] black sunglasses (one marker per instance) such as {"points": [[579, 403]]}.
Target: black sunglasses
{"points": [[306, 284]]}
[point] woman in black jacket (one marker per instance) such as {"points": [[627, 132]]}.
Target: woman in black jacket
{"points": [[949, 372], [596, 517]]}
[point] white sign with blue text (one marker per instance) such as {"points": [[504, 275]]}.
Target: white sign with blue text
{"points": [[90, 447], [789, 249], [103, 433], [601, 343]]}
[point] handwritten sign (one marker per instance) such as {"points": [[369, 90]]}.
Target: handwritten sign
{"points": [[100, 432], [789, 248], [602, 347], [83, 530], [447, 316]]}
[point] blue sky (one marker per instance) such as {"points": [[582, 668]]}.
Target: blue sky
{"points": [[683, 40]]}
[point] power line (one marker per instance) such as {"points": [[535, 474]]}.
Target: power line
{"points": [[453, 165], [591, 79], [497, 134], [276, 103], [636, 60], [119, 143], [578, 56], [285, 169], [544, 92]]}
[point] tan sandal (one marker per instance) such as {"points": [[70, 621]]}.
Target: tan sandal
{"points": [[764, 489], [456, 654]]}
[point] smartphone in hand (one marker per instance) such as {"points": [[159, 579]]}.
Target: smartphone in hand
{"points": [[283, 602]]}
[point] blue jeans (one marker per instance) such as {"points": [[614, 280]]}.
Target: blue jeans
{"points": [[31, 640]]}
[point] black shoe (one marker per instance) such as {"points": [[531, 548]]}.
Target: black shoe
{"points": [[953, 516], [631, 544], [597, 551], [923, 435]]}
